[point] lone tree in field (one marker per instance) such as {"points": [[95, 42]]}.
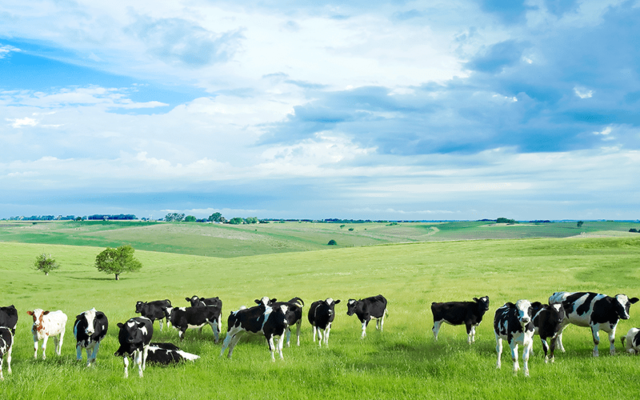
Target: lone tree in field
{"points": [[332, 243], [117, 261], [45, 263], [580, 223]]}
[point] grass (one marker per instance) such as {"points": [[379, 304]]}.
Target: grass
{"points": [[402, 362]]}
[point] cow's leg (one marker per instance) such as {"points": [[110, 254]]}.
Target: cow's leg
{"points": [[216, 332], [78, 352], [55, 345], [514, 355], [181, 333], [612, 339], [525, 356], [364, 328], [44, 347], [225, 343], [145, 353], [59, 352], [559, 342], [1, 361], [596, 338], [382, 322], [8, 359], [473, 333], [280, 344], [319, 336], [35, 347], [94, 353], [288, 336], [554, 341], [498, 350], [313, 329], [139, 357], [160, 323], [125, 360], [271, 346], [235, 341], [469, 332], [545, 348], [326, 334], [436, 328], [299, 324]]}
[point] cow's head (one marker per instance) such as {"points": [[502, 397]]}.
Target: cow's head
{"points": [[37, 315], [351, 307], [132, 331], [193, 300], [265, 301], [483, 302], [279, 315], [558, 312], [525, 311], [139, 307], [331, 302], [90, 317], [622, 305]]}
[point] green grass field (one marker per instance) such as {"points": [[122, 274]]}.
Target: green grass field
{"points": [[402, 362]]}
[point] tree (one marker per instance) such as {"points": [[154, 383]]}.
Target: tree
{"points": [[174, 217], [633, 230], [117, 261], [503, 220], [580, 223], [215, 217], [236, 221], [332, 243], [251, 220], [190, 218], [45, 263]]}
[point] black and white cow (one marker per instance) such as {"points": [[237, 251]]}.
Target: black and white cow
{"points": [[631, 341], [468, 313], [196, 301], [134, 337], [9, 318], [514, 322], [294, 316], [597, 311], [89, 329], [167, 353], [259, 319], [183, 318], [547, 322], [154, 310], [6, 346], [367, 309], [321, 316]]}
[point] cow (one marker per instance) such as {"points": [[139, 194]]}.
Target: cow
{"points": [[597, 311], [514, 322], [321, 316], [47, 324], [9, 318], [631, 341], [196, 301], [134, 337], [547, 322], [90, 328], [469, 313], [6, 346], [167, 353], [294, 316], [154, 310], [262, 318], [183, 318], [367, 309]]}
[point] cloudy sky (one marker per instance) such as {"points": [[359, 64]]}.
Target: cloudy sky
{"points": [[452, 109]]}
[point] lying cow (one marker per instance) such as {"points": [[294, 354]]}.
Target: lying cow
{"points": [[514, 322], [547, 322], [469, 313], [167, 353], [597, 311], [134, 337], [294, 316], [47, 324], [259, 319], [89, 329], [196, 301], [367, 309], [183, 318], [321, 316], [154, 310], [6, 346], [631, 341], [9, 318]]}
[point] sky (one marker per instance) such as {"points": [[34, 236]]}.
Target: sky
{"points": [[402, 110]]}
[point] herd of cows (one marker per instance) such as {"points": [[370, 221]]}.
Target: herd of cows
{"points": [[517, 323]]}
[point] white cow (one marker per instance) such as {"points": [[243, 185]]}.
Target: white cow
{"points": [[47, 324], [631, 341]]}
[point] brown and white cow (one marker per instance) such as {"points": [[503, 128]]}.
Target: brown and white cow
{"points": [[47, 324]]}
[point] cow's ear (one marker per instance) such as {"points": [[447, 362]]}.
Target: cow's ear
{"points": [[100, 315], [79, 316], [336, 302], [30, 313], [187, 299], [120, 325], [536, 304], [257, 301], [140, 325], [45, 312], [476, 300], [273, 300], [509, 304], [634, 300]]}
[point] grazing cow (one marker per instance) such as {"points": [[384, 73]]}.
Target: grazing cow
{"points": [[154, 310], [367, 309], [167, 353], [469, 313], [597, 311], [631, 341], [134, 337], [45, 325], [514, 322], [183, 318], [9, 318], [89, 329], [294, 316], [259, 319], [196, 301], [6, 346], [547, 322], [321, 315]]}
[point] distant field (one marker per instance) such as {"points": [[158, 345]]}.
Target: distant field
{"points": [[403, 362], [247, 240]]}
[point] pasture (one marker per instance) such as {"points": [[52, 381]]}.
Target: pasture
{"points": [[402, 362]]}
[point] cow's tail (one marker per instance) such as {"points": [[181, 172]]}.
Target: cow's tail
{"points": [[622, 340], [386, 312], [188, 356], [298, 300]]}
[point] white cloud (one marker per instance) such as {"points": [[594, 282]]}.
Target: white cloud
{"points": [[605, 131], [21, 122], [6, 49], [583, 93]]}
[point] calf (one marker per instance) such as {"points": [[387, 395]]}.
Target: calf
{"points": [[9, 318], [631, 342], [89, 329], [514, 322], [294, 316], [154, 310], [196, 301], [547, 322], [469, 313], [259, 319], [183, 318], [367, 309], [134, 337], [168, 353], [47, 324], [597, 311], [6, 346], [321, 315]]}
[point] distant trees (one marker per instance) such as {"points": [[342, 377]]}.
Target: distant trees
{"points": [[580, 223], [251, 220], [117, 261], [633, 230], [503, 220], [174, 217], [236, 221], [45, 263], [216, 217], [189, 218]]}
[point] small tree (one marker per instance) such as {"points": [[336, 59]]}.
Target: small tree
{"points": [[117, 261], [251, 220], [332, 243], [45, 263], [190, 218], [174, 217], [236, 221], [215, 217], [580, 223]]}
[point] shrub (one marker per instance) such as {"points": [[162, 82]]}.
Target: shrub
{"points": [[633, 230], [350, 229], [332, 243], [45, 263]]}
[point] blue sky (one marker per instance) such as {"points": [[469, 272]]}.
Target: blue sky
{"points": [[315, 109]]}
